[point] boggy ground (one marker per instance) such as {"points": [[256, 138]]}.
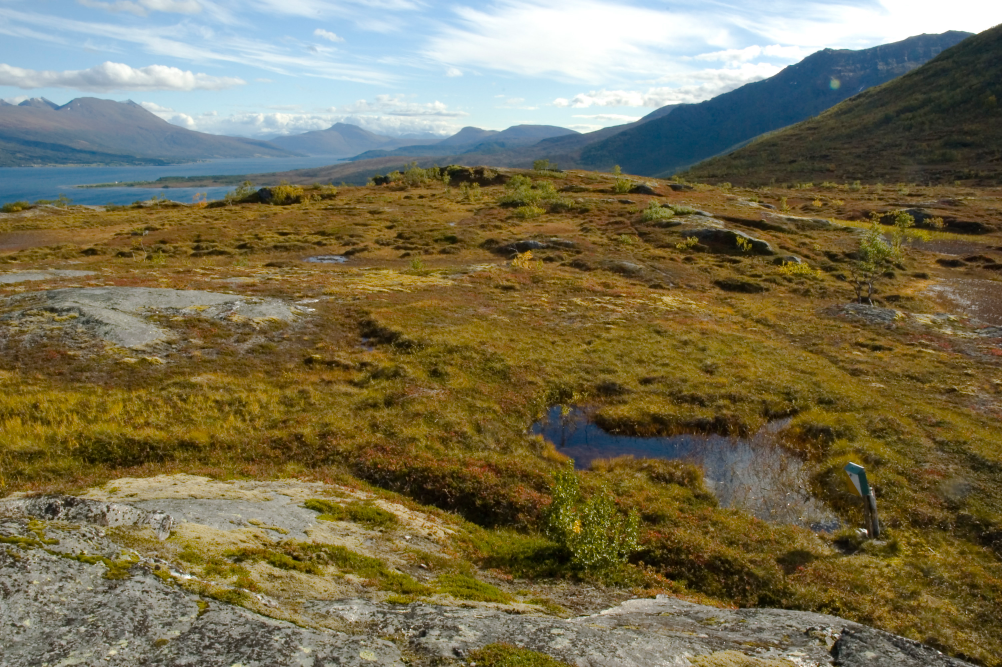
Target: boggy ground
{"points": [[427, 356]]}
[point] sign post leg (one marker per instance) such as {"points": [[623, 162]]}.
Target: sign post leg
{"points": [[873, 523]]}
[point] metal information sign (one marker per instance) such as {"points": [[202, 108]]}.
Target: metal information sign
{"points": [[857, 474]]}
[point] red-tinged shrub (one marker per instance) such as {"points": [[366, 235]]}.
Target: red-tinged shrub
{"points": [[494, 492]]}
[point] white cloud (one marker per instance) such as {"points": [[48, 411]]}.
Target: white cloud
{"points": [[329, 36], [111, 76], [703, 86], [153, 107], [753, 52], [583, 40], [169, 115], [611, 117], [395, 105], [272, 124], [453, 72], [144, 7]]}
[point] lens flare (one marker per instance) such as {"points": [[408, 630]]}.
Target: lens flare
{"points": [[835, 84]]}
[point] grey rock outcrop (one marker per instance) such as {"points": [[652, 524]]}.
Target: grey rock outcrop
{"points": [[49, 274], [82, 510], [74, 591], [118, 314]]}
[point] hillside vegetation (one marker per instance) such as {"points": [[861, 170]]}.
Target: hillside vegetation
{"points": [[694, 132], [940, 123], [471, 303]]}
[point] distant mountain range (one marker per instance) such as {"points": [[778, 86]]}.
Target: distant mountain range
{"points": [[89, 130], [939, 123], [342, 140], [475, 140]]}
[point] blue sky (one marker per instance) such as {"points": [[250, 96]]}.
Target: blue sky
{"points": [[266, 67]]}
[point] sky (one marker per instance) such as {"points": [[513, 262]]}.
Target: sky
{"points": [[263, 68]]}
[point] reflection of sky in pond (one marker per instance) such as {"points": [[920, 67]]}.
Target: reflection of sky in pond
{"points": [[327, 259], [753, 474]]}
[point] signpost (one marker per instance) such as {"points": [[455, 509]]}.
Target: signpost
{"points": [[858, 476]]}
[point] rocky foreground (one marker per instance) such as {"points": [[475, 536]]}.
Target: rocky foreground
{"points": [[108, 578]]}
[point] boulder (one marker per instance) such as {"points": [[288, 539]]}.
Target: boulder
{"points": [[482, 176], [520, 247], [788, 259], [720, 238], [680, 187], [642, 189]]}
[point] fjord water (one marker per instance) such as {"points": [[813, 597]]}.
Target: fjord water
{"points": [[754, 474], [34, 183]]}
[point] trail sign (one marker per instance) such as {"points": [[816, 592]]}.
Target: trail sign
{"points": [[858, 476]]}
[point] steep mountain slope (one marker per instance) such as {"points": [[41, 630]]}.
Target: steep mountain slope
{"points": [[121, 131], [939, 123], [339, 140], [698, 131]]}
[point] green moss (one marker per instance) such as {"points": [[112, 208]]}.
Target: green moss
{"points": [[465, 587], [507, 655], [277, 559], [358, 512]]}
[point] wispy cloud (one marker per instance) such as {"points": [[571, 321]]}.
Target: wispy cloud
{"points": [[702, 86], [197, 43], [396, 105], [329, 36], [577, 40], [110, 76], [144, 7]]}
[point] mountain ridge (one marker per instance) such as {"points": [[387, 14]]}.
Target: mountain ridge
{"points": [[698, 131], [938, 123], [112, 132]]}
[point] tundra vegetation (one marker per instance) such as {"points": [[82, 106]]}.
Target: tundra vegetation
{"points": [[430, 352]]}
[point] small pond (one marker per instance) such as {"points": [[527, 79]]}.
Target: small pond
{"points": [[975, 297], [327, 259], [754, 474]]}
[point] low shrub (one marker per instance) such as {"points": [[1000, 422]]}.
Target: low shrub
{"points": [[656, 211], [591, 530], [285, 194], [527, 212], [521, 192], [15, 207]]}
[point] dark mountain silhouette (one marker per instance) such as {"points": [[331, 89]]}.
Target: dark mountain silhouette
{"points": [[341, 140], [468, 136], [481, 142], [940, 122], [694, 132], [105, 131]]}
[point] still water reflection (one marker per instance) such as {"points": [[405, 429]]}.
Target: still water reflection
{"points": [[754, 474]]}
